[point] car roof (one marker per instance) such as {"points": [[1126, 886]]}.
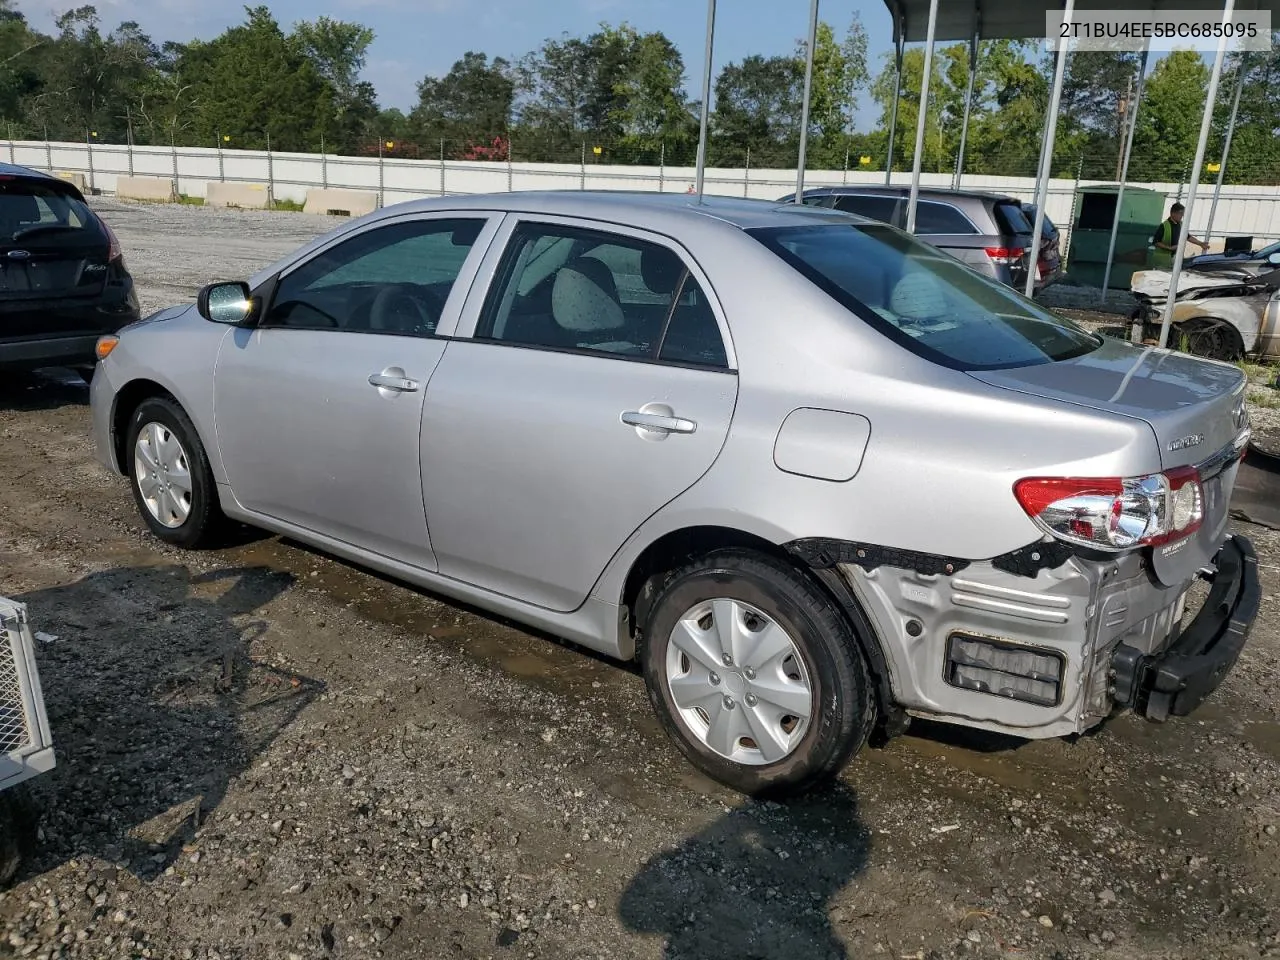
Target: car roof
{"points": [[924, 191], [656, 211], [16, 170]]}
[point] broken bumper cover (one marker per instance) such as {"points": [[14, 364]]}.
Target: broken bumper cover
{"points": [[1175, 681]]}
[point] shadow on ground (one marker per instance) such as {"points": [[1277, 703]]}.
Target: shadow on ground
{"points": [[42, 390], [756, 884], [155, 706]]}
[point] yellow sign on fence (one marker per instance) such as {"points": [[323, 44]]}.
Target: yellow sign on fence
{"points": [[864, 161]]}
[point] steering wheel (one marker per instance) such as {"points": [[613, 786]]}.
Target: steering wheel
{"points": [[397, 309]]}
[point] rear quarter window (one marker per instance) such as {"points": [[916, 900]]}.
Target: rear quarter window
{"points": [[1010, 219]]}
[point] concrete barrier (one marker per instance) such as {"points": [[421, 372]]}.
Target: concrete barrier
{"points": [[76, 179], [247, 196], [146, 188], [352, 203]]}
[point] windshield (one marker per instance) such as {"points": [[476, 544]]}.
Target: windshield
{"points": [[927, 301], [32, 214]]}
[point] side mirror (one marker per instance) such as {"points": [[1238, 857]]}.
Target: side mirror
{"points": [[1274, 259], [228, 303]]}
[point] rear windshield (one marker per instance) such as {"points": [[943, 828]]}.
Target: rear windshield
{"points": [[1010, 218], [930, 303], [35, 215]]}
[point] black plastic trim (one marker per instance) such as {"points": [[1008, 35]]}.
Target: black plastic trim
{"points": [[1028, 561], [1176, 681], [823, 553]]}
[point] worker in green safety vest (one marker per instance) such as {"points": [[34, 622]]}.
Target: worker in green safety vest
{"points": [[1167, 237]]}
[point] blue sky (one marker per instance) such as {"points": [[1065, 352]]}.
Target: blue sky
{"points": [[420, 37]]}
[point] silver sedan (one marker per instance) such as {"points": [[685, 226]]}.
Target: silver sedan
{"points": [[818, 477]]}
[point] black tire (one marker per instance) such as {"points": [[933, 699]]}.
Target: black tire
{"points": [[1211, 338], [844, 706], [204, 523]]}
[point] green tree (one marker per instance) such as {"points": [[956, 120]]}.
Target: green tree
{"points": [[338, 50], [254, 82], [653, 114], [469, 105], [1169, 119], [757, 111]]}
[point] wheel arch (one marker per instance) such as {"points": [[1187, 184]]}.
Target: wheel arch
{"points": [[677, 547], [127, 400]]}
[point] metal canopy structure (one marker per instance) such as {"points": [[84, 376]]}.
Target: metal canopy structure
{"points": [[969, 20]]}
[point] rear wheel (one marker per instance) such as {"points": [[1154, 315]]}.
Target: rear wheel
{"points": [[173, 484], [1210, 338], [755, 673]]}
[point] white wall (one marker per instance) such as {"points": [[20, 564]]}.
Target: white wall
{"points": [[1250, 210]]}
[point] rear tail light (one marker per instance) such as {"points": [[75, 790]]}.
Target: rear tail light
{"points": [[1006, 255], [114, 250], [1116, 513]]}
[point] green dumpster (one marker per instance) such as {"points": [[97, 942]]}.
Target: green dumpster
{"points": [[1141, 211]]}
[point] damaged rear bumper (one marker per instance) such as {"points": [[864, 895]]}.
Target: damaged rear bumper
{"points": [[1176, 680]]}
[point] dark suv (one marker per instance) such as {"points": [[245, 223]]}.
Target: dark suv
{"points": [[63, 281], [987, 231]]}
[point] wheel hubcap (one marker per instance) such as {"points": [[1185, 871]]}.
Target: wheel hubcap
{"points": [[163, 474], [739, 683]]}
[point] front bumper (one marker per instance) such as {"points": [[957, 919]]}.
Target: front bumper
{"points": [[1176, 680]]}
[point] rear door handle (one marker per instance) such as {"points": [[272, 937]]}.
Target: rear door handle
{"points": [[654, 421], [389, 382]]}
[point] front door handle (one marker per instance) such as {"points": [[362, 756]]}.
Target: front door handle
{"points": [[396, 381], [655, 421]]}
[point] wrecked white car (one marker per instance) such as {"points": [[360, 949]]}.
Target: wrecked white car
{"points": [[1223, 311], [25, 746]]}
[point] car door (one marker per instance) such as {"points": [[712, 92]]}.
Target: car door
{"points": [[318, 408], [597, 385]]}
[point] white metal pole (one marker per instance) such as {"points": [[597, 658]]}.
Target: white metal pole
{"points": [[893, 112], [1206, 123], [1124, 169], [918, 159], [968, 108], [1226, 147], [804, 108], [706, 97], [1046, 152]]}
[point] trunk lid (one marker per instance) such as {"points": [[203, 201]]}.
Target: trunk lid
{"points": [[1195, 408]]}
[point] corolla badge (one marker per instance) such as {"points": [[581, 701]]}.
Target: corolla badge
{"points": [[1183, 442], [19, 254]]}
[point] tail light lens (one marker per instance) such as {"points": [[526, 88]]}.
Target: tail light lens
{"points": [[114, 250], [1116, 513], [1006, 255]]}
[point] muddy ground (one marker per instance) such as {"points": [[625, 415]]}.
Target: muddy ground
{"points": [[265, 753]]}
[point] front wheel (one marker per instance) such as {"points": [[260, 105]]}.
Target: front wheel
{"points": [[755, 673], [173, 484]]}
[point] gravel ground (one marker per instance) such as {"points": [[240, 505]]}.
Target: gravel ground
{"points": [[265, 753]]}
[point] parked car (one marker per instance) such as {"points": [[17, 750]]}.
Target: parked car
{"points": [[1233, 259], [1223, 311], [26, 749], [63, 280], [815, 474], [1049, 264], [987, 231]]}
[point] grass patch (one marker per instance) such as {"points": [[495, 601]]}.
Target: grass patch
{"points": [[292, 206], [188, 201]]}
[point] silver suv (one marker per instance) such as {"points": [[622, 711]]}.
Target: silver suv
{"points": [[988, 231], [814, 474]]}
